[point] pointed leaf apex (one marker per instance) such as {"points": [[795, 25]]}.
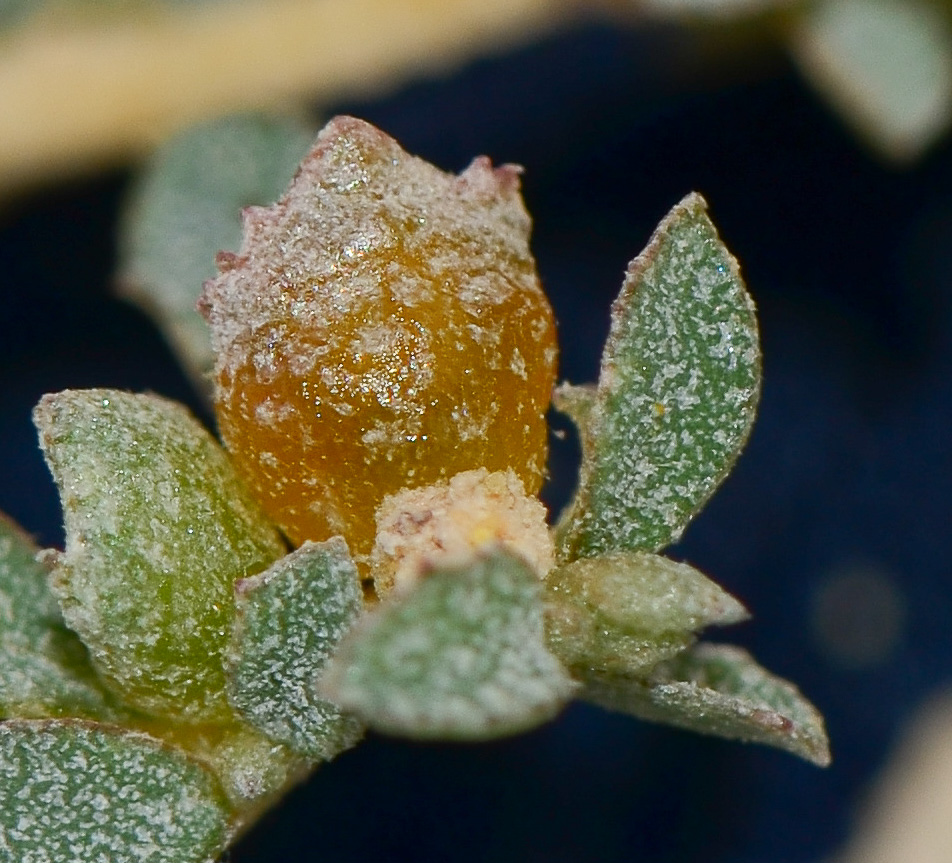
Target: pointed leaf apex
{"points": [[676, 396]]}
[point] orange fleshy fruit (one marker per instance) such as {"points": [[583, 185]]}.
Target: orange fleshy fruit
{"points": [[382, 327]]}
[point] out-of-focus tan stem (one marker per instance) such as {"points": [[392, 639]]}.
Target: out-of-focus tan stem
{"points": [[86, 95], [907, 815]]}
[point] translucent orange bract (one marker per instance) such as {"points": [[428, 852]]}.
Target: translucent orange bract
{"points": [[382, 327]]}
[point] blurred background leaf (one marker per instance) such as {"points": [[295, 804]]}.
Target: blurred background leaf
{"points": [[186, 208], [886, 65]]}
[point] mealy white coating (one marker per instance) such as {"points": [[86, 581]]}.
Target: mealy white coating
{"points": [[74, 791], [382, 312], [460, 656], [648, 593], [624, 612], [720, 689], [44, 671], [291, 618], [447, 523], [313, 234], [158, 528], [676, 395]]}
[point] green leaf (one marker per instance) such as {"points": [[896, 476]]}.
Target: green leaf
{"points": [[885, 64], [44, 668], [460, 657], [676, 396], [158, 529], [252, 769], [627, 611], [78, 791], [290, 620], [646, 592], [186, 208], [720, 690], [585, 642]]}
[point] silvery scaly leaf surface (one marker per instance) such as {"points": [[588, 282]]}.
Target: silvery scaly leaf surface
{"points": [[720, 690], [44, 668], [158, 529], [79, 791], [625, 612], [459, 657], [676, 395], [290, 620], [186, 207]]}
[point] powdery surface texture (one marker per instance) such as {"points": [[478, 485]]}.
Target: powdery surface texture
{"points": [[719, 689], [290, 620], [676, 396], [462, 656], [320, 229], [73, 791], [44, 670], [586, 642], [382, 326], [253, 769], [448, 523], [158, 529], [185, 208], [649, 593], [627, 611]]}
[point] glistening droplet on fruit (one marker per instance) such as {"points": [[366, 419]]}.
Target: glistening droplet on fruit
{"points": [[381, 327]]}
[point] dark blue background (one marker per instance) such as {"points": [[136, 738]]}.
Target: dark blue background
{"points": [[850, 263]]}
